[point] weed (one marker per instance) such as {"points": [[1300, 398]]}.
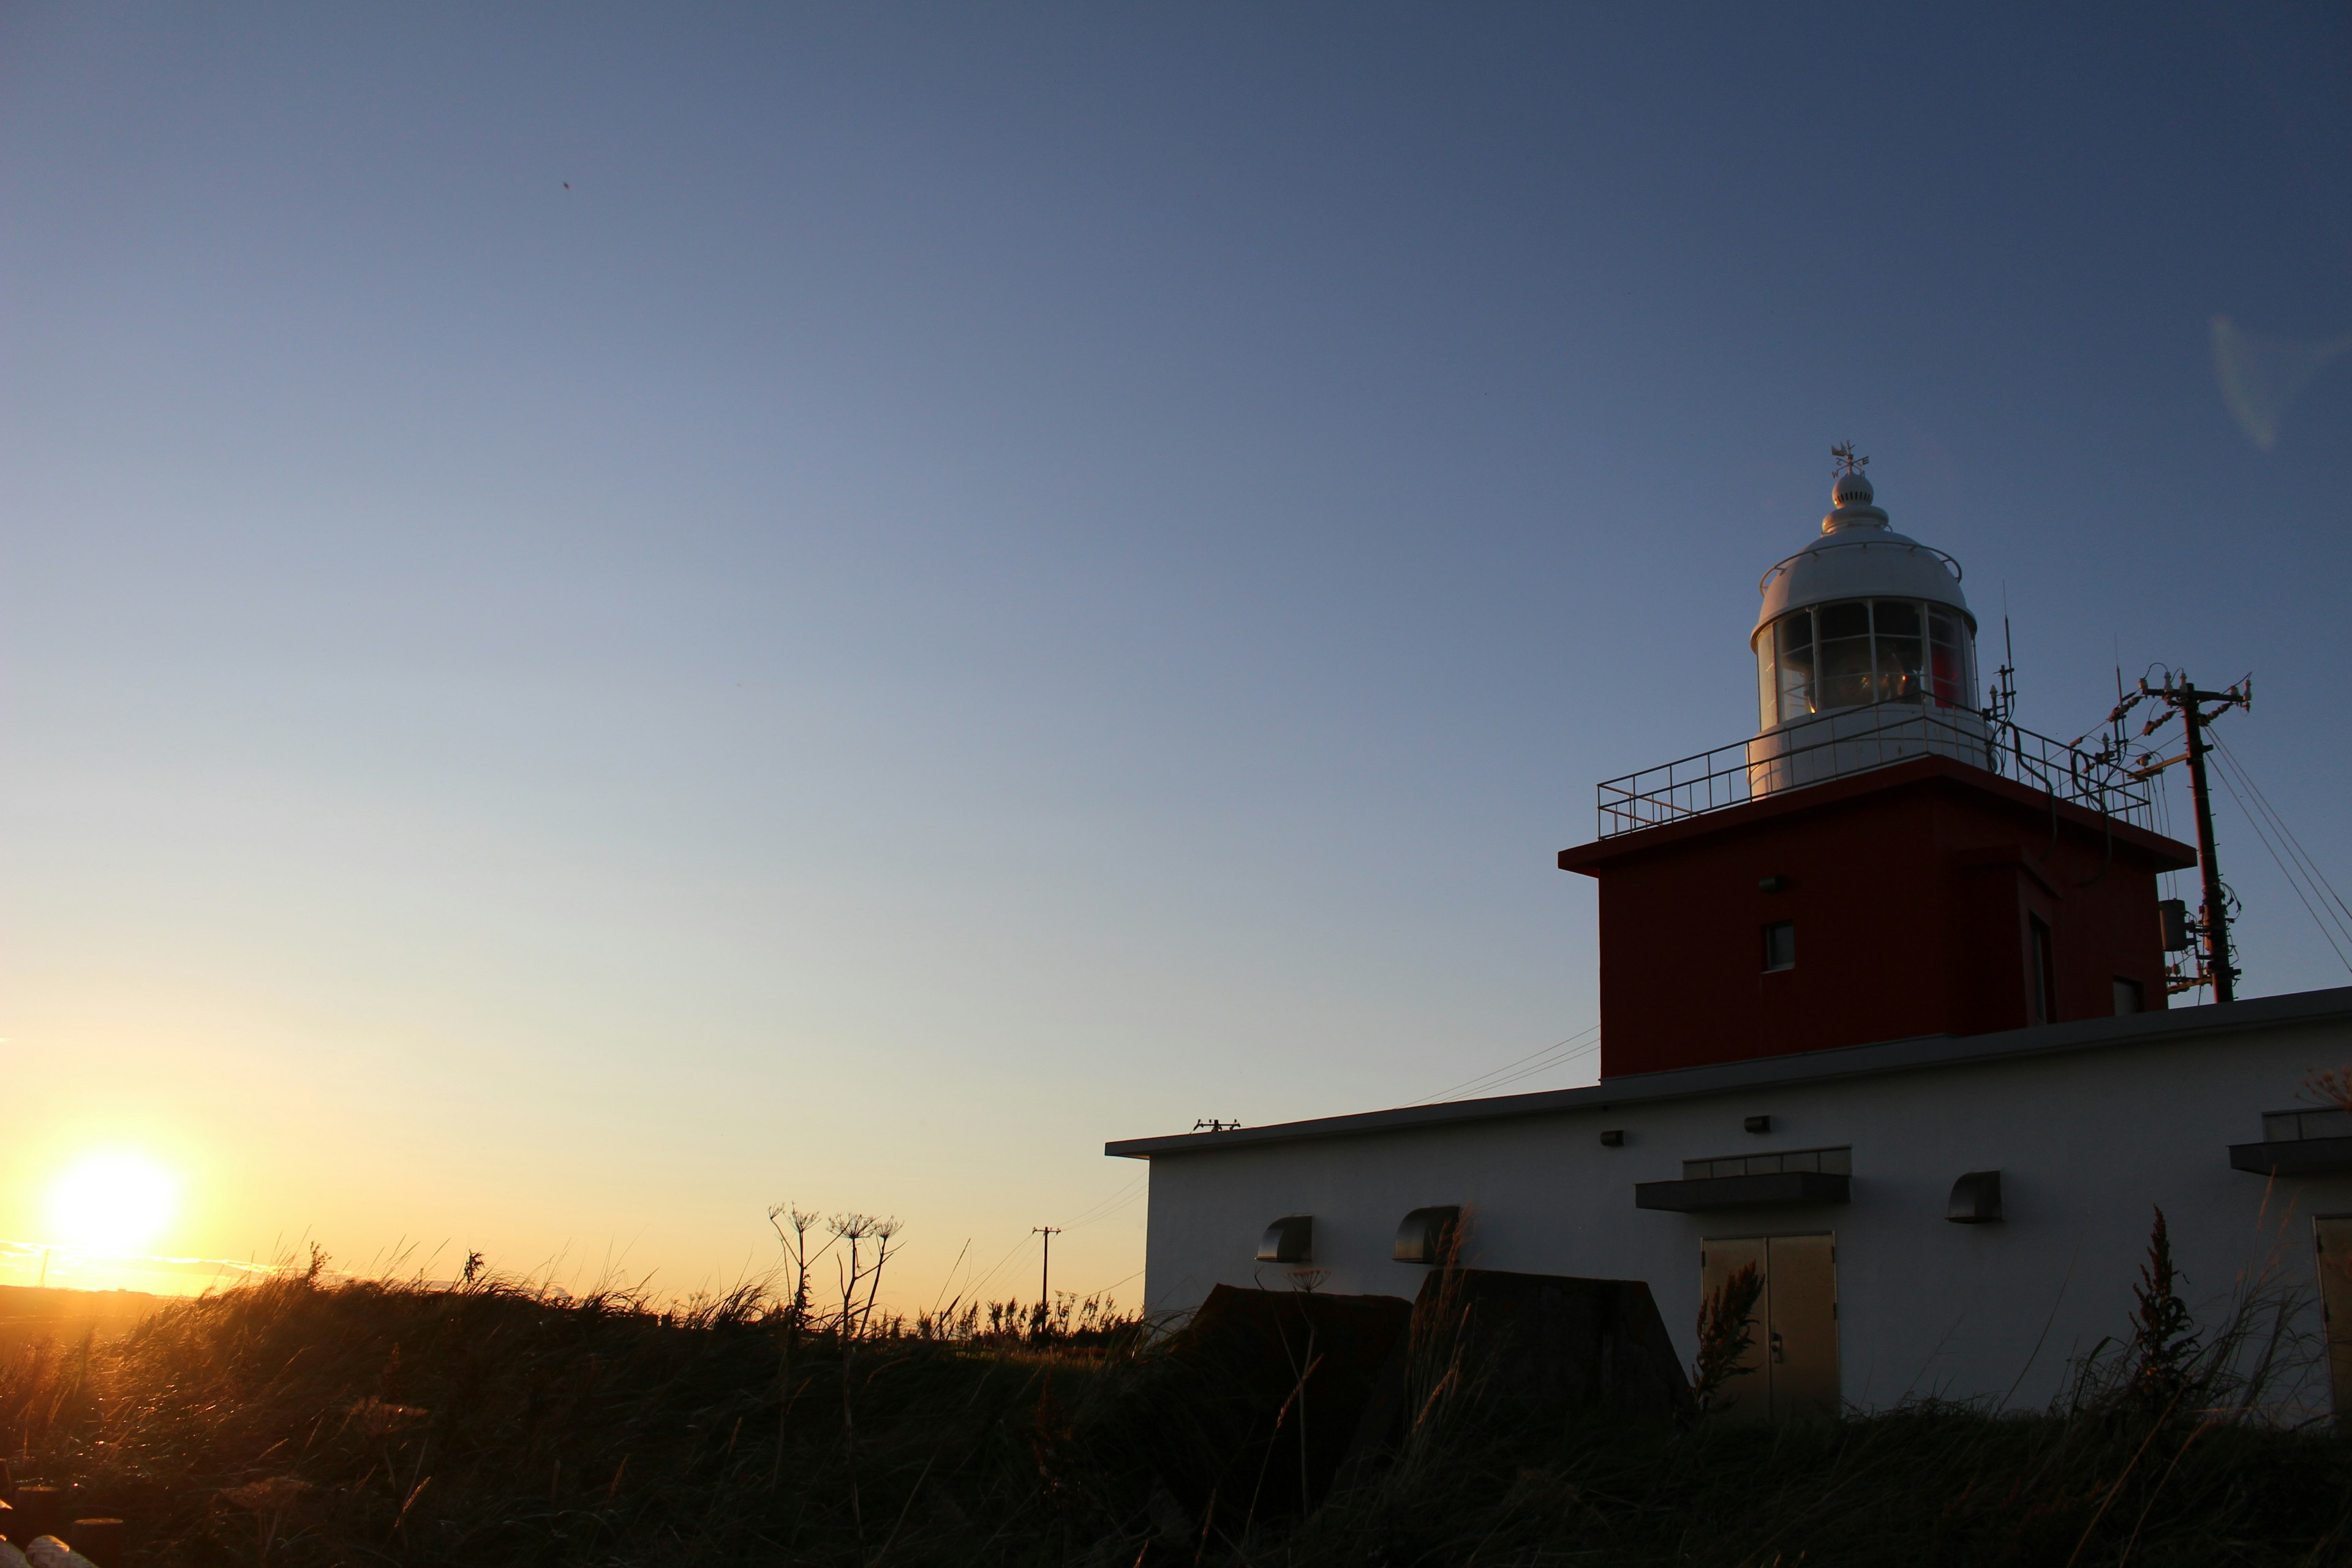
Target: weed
{"points": [[2164, 1336], [1726, 1332]]}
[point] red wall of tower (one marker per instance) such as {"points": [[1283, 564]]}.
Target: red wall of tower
{"points": [[1912, 890]]}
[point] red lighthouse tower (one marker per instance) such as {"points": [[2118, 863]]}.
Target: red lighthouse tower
{"points": [[1883, 859]]}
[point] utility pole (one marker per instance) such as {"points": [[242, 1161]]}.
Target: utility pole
{"points": [[2217, 919], [2184, 699], [1046, 1269]]}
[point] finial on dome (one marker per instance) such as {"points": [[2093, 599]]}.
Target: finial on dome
{"points": [[1850, 496]]}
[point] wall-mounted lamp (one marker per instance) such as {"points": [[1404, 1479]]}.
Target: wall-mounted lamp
{"points": [[1758, 1124], [1613, 1138]]}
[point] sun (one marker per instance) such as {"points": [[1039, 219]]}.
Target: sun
{"points": [[112, 1201]]}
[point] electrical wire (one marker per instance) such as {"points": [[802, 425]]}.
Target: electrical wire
{"points": [[1543, 1067], [1116, 1283], [1507, 1067], [2291, 867], [1111, 1204], [2293, 880], [1479, 1086], [1557, 1054], [2294, 845], [972, 1289], [2297, 867]]}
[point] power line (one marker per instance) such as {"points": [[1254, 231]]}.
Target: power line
{"points": [[2292, 881], [1542, 1066], [1542, 1060], [2296, 867], [2246, 777], [973, 1288], [1113, 1203]]}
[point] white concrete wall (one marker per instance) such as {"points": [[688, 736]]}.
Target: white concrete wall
{"points": [[2085, 1141]]}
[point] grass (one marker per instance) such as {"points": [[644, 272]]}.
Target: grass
{"points": [[1919, 1487], [303, 1422]]}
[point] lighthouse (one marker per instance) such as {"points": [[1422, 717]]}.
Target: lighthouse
{"points": [[1883, 1014], [1883, 859]]}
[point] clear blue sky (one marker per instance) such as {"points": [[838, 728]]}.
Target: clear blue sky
{"points": [[608, 615]]}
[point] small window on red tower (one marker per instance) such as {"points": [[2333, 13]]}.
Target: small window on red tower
{"points": [[2045, 971], [2129, 997], [1780, 945]]}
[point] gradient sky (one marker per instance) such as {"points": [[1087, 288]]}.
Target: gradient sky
{"points": [[990, 578]]}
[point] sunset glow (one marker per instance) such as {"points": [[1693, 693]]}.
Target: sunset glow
{"points": [[112, 1201]]}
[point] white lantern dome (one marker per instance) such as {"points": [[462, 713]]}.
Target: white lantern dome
{"points": [[1859, 555], [1865, 649]]}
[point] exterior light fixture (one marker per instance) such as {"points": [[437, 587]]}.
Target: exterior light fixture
{"points": [[1758, 1124]]}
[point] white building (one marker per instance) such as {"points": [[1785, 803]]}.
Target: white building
{"points": [[1882, 1017]]}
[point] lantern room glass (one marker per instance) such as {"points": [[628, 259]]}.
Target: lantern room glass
{"points": [[1856, 652]]}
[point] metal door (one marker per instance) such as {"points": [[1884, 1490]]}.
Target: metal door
{"points": [[1794, 1358], [2333, 1234], [1804, 1345]]}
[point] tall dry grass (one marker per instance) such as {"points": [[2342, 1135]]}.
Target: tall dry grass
{"points": [[304, 1421], [486, 1422]]}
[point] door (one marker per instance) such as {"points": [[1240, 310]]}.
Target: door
{"points": [[2333, 1232], [1794, 1362], [1801, 1283]]}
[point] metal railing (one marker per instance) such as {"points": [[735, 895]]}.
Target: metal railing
{"points": [[1860, 740]]}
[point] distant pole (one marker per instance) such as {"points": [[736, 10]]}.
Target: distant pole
{"points": [[1046, 1268]]}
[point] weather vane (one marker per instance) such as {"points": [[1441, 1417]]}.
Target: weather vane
{"points": [[1847, 462]]}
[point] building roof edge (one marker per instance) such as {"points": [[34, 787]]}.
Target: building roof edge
{"points": [[1805, 1067]]}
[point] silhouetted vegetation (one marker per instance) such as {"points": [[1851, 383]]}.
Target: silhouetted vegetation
{"points": [[302, 1421], [1726, 1332]]}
